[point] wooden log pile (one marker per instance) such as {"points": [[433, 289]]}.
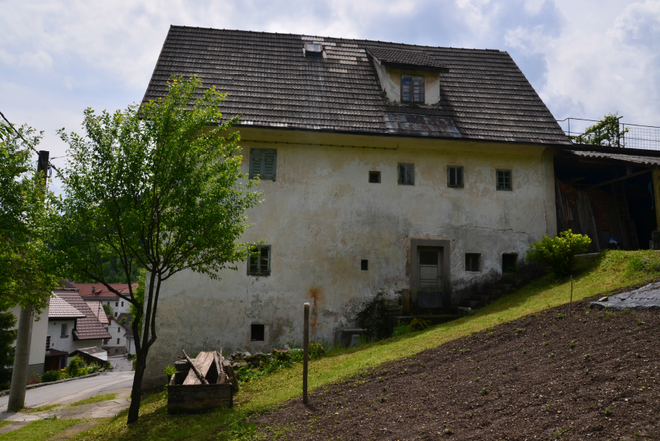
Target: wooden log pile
{"points": [[202, 383]]}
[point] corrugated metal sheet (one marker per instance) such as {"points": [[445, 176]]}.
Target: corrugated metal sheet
{"points": [[633, 159]]}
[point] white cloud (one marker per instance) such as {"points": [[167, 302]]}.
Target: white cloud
{"points": [[39, 60]]}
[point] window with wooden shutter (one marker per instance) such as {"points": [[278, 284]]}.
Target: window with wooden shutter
{"points": [[406, 174], [263, 163], [454, 176]]}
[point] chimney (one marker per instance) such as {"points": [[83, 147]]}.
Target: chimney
{"points": [[93, 290]]}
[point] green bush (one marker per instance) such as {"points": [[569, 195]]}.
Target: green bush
{"points": [[76, 367], [559, 252], [400, 329], [52, 376]]}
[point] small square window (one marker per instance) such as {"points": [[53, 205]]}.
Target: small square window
{"points": [[454, 176], [509, 263], [406, 174], [364, 265], [263, 164], [472, 262], [259, 261], [257, 332], [504, 180], [412, 89], [374, 177]]}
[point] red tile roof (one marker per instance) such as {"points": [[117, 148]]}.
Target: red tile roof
{"points": [[99, 312], [88, 327], [96, 291]]}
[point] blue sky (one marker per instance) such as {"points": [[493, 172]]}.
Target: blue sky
{"points": [[584, 58]]}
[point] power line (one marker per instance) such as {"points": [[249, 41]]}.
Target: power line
{"points": [[50, 164]]}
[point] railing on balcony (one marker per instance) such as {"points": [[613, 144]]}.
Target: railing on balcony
{"points": [[633, 136]]}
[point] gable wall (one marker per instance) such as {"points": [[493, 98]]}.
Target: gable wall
{"points": [[322, 216]]}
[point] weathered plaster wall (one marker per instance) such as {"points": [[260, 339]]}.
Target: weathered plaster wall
{"points": [[322, 217]]}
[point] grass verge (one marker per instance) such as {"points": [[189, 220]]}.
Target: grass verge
{"points": [[613, 270], [39, 430], [96, 399], [45, 408]]}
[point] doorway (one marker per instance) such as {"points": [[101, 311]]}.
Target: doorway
{"points": [[429, 273]]}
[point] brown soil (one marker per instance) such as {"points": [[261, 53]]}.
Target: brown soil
{"points": [[594, 375]]}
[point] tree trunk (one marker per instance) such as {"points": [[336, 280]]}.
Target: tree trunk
{"points": [[136, 391], [21, 361]]}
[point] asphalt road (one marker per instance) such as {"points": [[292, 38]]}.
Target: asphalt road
{"points": [[76, 390]]}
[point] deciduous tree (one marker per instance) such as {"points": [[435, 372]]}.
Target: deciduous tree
{"points": [[157, 186]]}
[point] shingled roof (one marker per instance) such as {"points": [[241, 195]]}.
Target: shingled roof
{"points": [[88, 327], [269, 81], [58, 308]]}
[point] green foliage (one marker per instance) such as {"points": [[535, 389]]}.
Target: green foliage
{"points": [[372, 317], [169, 371], [401, 329], [76, 367], [605, 132], [171, 198], [108, 310], [7, 338], [559, 252], [53, 376], [26, 264]]}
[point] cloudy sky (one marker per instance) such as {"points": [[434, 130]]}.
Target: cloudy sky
{"points": [[585, 58]]}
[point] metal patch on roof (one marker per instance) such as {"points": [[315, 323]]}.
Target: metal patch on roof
{"points": [[421, 125]]}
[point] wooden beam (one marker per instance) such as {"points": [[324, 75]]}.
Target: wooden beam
{"points": [[656, 196], [621, 178]]}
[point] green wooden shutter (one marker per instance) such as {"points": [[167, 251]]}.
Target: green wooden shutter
{"points": [[269, 164], [256, 162]]}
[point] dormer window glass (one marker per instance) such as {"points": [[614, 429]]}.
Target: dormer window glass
{"points": [[412, 89]]}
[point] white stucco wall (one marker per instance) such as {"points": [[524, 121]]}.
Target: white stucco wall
{"points": [[117, 331], [67, 343], [322, 216], [37, 340]]}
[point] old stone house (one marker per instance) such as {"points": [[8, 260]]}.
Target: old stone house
{"points": [[385, 168]]}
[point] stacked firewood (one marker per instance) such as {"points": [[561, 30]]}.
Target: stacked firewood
{"points": [[207, 368]]}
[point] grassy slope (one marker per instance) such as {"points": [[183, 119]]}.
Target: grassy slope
{"points": [[613, 271]]}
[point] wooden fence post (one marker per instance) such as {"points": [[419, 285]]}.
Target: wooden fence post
{"points": [[305, 351]]}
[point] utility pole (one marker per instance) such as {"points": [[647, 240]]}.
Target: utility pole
{"points": [[22, 355]]}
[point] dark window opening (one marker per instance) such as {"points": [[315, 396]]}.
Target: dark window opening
{"points": [[117, 341], [412, 89], [509, 263], [374, 177], [504, 180], [259, 261], [263, 164], [406, 174], [257, 332], [63, 330], [454, 176], [364, 265], [428, 257], [472, 262]]}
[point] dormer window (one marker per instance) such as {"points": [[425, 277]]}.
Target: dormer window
{"points": [[412, 89], [313, 50]]}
